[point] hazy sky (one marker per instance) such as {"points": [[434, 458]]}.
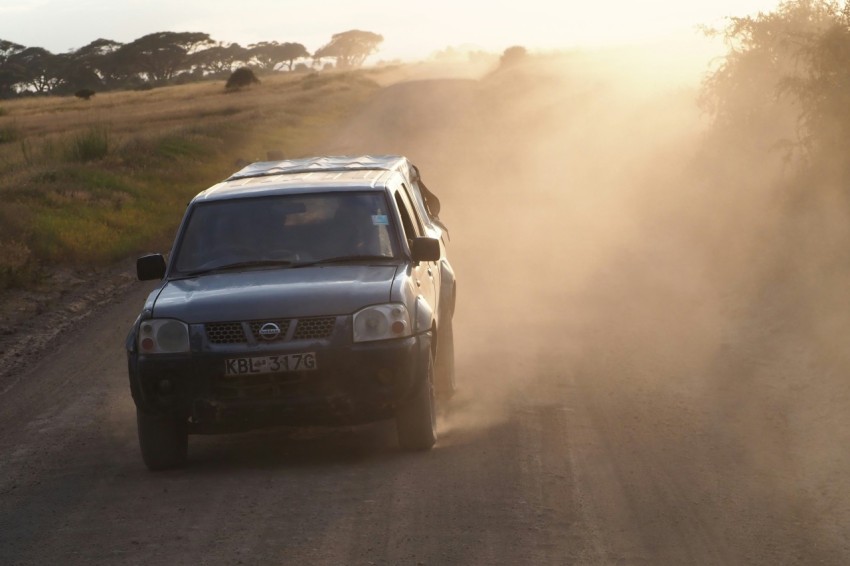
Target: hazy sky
{"points": [[411, 29]]}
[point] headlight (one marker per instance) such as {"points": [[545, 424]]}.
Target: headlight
{"points": [[381, 322], [163, 336]]}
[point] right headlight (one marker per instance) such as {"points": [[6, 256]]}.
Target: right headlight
{"points": [[381, 322], [163, 336]]}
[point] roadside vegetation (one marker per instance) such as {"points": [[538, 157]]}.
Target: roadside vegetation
{"points": [[91, 182]]}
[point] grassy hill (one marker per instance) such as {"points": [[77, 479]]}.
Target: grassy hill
{"points": [[89, 182]]}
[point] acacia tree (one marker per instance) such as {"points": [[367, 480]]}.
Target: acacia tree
{"points": [[793, 62], [8, 74], [90, 66], [8, 48], [350, 48], [775, 61], [823, 90], [36, 69], [267, 55], [219, 58], [291, 52], [161, 56]]}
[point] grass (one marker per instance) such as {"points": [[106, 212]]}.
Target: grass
{"points": [[89, 183], [9, 133], [89, 145]]}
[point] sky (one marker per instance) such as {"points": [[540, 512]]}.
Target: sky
{"points": [[412, 30]]}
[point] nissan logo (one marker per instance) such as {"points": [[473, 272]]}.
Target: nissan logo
{"points": [[269, 331]]}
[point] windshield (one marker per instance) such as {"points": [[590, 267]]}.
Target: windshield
{"points": [[286, 230]]}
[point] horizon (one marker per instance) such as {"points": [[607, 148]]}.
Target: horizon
{"points": [[416, 33]]}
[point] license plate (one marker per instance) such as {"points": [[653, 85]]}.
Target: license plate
{"points": [[270, 364]]}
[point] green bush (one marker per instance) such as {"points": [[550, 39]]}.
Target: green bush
{"points": [[89, 145]]}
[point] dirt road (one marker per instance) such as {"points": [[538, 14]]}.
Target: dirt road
{"points": [[587, 430]]}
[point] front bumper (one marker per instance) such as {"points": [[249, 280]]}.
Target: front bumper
{"points": [[353, 384]]}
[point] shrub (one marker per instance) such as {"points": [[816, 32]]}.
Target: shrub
{"points": [[84, 93], [89, 145], [241, 77], [513, 55]]}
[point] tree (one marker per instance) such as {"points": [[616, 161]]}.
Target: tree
{"points": [[219, 58], [292, 52], [95, 60], [513, 55], [8, 48], [772, 65], [822, 90], [350, 48], [97, 49], [267, 55], [88, 68], [161, 56], [8, 75], [36, 69]]}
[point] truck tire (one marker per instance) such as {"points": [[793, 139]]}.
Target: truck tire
{"points": [[416, 419], [163, 439]]}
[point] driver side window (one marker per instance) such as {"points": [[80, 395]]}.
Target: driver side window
{"points": [[406, 217]]}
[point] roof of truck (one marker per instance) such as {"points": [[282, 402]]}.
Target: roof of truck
{"points": [[309, 175]]}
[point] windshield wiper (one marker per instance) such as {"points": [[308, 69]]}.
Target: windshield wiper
{"points": [[240, 265], [345, 259]]}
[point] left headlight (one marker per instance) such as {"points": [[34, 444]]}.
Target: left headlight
{"points": [[381, 322], [163, 336]]}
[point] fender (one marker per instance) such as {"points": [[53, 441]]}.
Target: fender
{"points": [[448, 291], [423, 317]]}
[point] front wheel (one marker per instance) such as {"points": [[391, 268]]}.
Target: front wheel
{"points": [[163, 439], [416, 419]]}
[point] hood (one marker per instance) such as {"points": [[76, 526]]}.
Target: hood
{"points": [[275, 293]]}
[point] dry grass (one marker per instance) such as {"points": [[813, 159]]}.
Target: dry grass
{"points": [[93, 181]]}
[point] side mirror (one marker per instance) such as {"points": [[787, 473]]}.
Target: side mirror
{"points": [[149, 267], [425, 249]]}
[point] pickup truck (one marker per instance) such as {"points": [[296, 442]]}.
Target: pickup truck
{"points": [[299, 292]]}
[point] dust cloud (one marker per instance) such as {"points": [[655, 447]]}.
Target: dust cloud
{"points": [[611, 249]]}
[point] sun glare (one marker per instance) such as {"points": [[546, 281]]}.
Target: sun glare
{"points": [[542, 25], [413, 33]]}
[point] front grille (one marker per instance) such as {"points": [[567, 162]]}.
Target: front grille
{"points": [[226, 333], [305, 329], [314, 328], [256, 325]]}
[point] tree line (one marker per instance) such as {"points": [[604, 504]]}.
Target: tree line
{"points": [[163, 58]]}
